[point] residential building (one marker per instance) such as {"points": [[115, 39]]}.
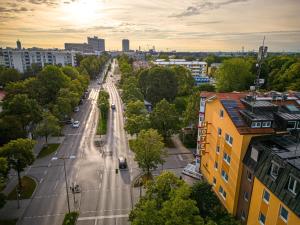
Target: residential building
{"points": [[19, 45], [125, 45], [98, 44], [227, 124], [197, 68], [272, 165], [79, 47], [22, 59]]}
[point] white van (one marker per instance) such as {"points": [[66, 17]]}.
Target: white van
{"points": [[190, 170]]}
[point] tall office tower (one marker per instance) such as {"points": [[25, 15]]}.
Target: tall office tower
{"points": [[19, 45], [98, 44], [125, 45]]}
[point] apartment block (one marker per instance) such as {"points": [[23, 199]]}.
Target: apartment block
{"points": [[228, 122], [22, 59]]}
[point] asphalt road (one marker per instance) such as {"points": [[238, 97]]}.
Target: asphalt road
{"points": [[106, 197]]}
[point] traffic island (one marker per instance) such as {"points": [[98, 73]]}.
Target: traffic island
{"points": [[28, 187], [70, 218], [47, 150]]}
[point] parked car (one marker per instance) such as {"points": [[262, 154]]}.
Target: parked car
{"points": [[190, 170], [80, 101], [76, 124], [76, 109], [113, 106], [122, 162]]}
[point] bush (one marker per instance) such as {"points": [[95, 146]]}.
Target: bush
{"points": [[70, 218]]}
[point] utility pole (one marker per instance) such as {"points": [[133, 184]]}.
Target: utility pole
{"points": [[262, 54]]}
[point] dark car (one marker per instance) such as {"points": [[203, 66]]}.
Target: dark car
{"points": [[122, 162]]}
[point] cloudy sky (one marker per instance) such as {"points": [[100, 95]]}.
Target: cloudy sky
{"points": [[182, 25]]}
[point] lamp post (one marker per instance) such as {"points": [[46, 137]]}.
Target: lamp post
{"points": [[64, 158]]}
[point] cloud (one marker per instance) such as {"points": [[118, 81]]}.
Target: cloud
{"points": [[13, 9], [41, 2], [195, 23], [198, 8]]}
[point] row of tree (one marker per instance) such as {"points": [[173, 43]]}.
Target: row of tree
{"points": [[170, 201]]}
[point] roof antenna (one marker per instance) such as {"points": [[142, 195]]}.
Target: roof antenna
{"points": [[262, 54]]}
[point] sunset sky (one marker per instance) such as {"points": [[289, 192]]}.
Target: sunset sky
{"points": [[182, 25]]}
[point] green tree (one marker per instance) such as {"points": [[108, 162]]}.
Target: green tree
{"points": [[51, 79], [191, 114], [158, 83], [3, 175], [206, 87], [9, 75], [185, 80], [48, 126], [164, 118], [136, 123], [19, 155], [234, 75], [25, 110], [148, 149], [135, 108], [10, 128]]}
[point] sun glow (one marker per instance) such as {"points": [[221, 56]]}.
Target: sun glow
{"points": [[82, 12]]}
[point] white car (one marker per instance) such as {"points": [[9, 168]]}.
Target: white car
{"points": [[76, 109], [76, 124], [190, 170]]}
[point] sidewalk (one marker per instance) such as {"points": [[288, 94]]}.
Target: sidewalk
{"points": [[10, 210]]}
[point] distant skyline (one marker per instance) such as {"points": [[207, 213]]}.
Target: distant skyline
{"points": [[185, 25]]}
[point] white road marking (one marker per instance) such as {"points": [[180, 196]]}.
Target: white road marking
{"points": [[180, 157], [103, 217], [41, 180]]}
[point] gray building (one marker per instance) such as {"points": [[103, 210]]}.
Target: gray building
{"points": [[125, 45], [80, 47], [98, 44], [19, 45]]}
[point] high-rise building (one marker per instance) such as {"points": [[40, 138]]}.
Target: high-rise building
{"points": [[239, 166], [22, 59], [97, 44], [125, 45], [19, 45]]}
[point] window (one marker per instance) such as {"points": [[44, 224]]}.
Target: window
{"points": [[222, 192], [216, 165], [274, 170], [221, 113], [298, 126], [227, 158], [249, 175], [262, 218], [254, 154], [266, 196], [292, 186], [214, 181], [246, 196], [291, 125], [284, 214], [243, 215], [224, 175], [218, 149], [219, 131], [266, 124], [228, 139], [256, 124]]}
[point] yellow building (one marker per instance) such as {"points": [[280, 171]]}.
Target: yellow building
{"points": [[227, 124]]}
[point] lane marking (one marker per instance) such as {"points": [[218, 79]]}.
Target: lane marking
{"points": [[103, 217], [180, 157]]}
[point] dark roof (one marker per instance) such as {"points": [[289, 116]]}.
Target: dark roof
{"points": [[259, 104], [282, 150], [262, 116], [288, 116]]}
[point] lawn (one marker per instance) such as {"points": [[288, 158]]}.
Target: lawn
{"points": [[8, 222], [27, 190], [102, 125], [48, 150], [70, 218]]}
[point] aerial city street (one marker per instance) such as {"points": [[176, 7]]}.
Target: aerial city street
{"points": [[149, 112]]}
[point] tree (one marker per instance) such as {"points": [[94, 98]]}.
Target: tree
{"points": [[234, 75], [185, 80], [48, 126], [19, 155], [3, 175], [148, 149], [10, 128], [158, 83], [9, 75], [135, 108], [136, 123], [206, 87], [191, 114], [164, 118], [25, 110], [51, 80]]}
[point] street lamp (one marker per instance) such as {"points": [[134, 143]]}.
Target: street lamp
{"points": [[64, 158]]}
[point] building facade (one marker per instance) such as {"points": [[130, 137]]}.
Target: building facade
{"points": [[227, 124], [79, 47], [98, 44], [198, 69], [125, 45], [22, 59]]}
